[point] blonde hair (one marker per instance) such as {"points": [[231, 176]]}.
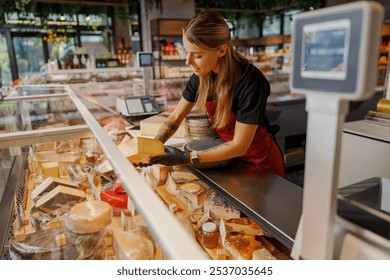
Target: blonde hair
{"points": [[208, 30]]}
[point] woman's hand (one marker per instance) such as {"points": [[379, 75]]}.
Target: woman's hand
{"points": [[172, 156]]}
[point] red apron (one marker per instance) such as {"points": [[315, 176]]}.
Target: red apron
{"points": [[263, 153]]}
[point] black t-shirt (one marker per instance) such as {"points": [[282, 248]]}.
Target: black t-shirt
{"points": [[249, 98]]}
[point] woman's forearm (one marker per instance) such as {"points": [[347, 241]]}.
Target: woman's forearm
{"points": [[166, 130]]}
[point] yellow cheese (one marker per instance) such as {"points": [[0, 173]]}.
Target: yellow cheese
{"points": [[89, 217], [132, 246], [50, 169], [141, 149]]}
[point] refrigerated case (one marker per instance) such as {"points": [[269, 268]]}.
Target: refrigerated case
{"points": [[167, 231], [163, 226]]}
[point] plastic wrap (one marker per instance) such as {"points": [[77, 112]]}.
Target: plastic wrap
{"points": [[89, 217], [132, 246], [43, 245], [116, 197]]}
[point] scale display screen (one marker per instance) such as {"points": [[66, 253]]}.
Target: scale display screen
{"points": [[144, 59], [142, 105], [325, 48]]}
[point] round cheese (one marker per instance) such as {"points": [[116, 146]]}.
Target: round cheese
{"points": [[89, 217]]}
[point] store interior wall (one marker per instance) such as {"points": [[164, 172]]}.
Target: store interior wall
{"points": [[182, 9]]}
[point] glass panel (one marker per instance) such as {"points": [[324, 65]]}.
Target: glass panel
{"points": [[27, 90], [60, 44], [5, 69], [31, 114], [271, 25], [288, 18], [29, 55], [97, 44]]}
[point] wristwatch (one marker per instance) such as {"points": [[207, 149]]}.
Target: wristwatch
{"points": [[195, 157]]}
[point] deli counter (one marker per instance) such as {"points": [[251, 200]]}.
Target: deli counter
{"points": [[255, 214]]}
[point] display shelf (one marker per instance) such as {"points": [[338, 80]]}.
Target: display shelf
{"points": [[84, 75], [168, 50]]}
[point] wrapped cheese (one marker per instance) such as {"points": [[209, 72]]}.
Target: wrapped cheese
{"points": [[58, 197], [219, 208], [49, 245], [241, 247], [132, 246], [48, 184], [141, 149], [89, 217], [181, 177]]}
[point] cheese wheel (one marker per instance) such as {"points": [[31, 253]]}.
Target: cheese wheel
{"points": [[89, 217]]}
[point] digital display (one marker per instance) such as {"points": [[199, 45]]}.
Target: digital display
{"points": [[325, 48], [143, 105], [145, 59]]}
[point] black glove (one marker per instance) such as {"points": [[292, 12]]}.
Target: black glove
{"points": [[172, 156]]}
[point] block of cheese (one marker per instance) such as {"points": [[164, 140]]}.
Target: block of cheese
{"points": [[48, 184], [241, 247], [132, 246], [219, 208], [47, 156], [89, 217], [181, 177], [191, 193], [59, 197], [150, 126], [50, 169], [141, 149], [243, 225], [159, 173], [48, 146]]}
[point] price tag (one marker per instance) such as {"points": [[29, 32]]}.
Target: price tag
{"points": [[222, 231]]}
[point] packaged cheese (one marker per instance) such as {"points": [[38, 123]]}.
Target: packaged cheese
{"points": [[241, 247], [158, 173], [219, 208], [48, 184], [58, 244], [89, 217], [50, 169], [132, 246], [181, 177], [243, 225], [191, 194], [58, 197], [141, 149]]}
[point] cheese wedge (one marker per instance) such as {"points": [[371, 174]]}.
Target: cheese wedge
{"points": [[132, 246], [141, 149]]}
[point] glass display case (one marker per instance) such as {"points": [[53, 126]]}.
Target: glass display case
{"points": [[20, 141], [70, 76], [46, 141]]}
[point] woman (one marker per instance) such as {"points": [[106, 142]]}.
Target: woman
{"points": [[232, 91]]}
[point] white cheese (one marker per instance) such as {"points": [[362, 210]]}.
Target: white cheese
{"points": [[89, 217]]}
